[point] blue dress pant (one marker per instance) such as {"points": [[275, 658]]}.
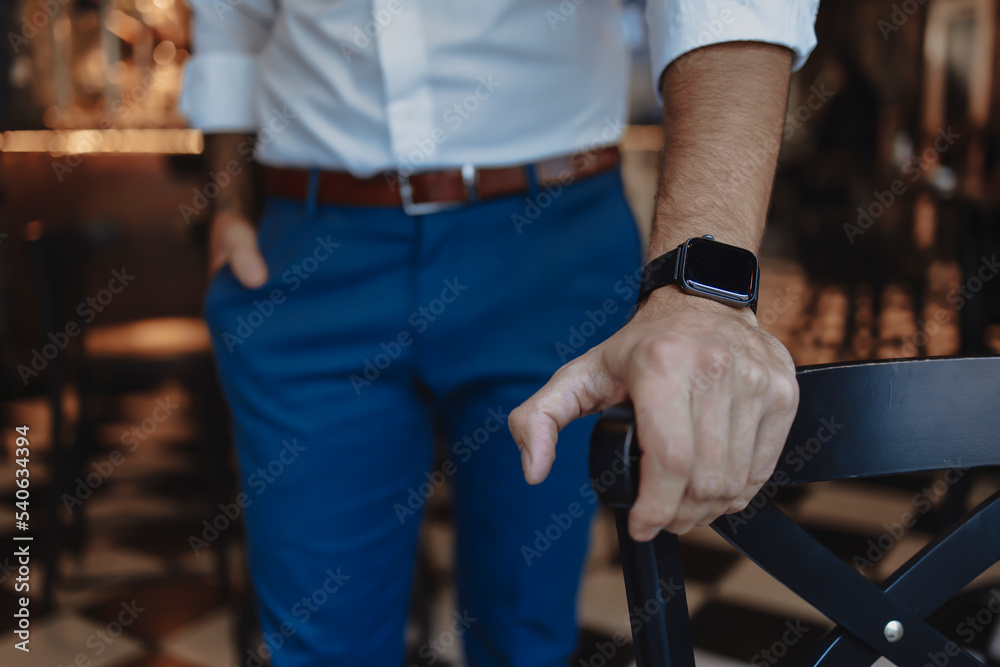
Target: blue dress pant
{"points": [[374, 331]]}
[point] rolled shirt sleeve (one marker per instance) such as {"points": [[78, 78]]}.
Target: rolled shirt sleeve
{"points": [[221, 77], [679, 26]]}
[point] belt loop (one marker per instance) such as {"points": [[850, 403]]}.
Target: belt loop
{"points": [[312, 194], [533, 184]]}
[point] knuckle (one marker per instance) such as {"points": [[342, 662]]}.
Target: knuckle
{"points": [[687, 518], [677, 459], [738, 505], [715, 351], [660, 352], [758, 479], [518, 419], [734, 487], [754, 374], [652, 516], [785, 389], [515, 418], [680, 527], [705, 486]]}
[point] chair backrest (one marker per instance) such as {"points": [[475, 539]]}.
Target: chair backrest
{"points": [[854, 420]]}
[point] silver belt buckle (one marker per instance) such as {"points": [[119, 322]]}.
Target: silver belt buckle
{"points": [[425, 208], [470, 179]]}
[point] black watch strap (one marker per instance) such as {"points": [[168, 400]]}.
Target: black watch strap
{"points": [[660, 272]]}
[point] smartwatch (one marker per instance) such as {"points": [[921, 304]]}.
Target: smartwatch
{"points": [[702, 266]]}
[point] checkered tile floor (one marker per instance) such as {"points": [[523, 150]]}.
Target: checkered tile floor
{"points": [[139, 597]]}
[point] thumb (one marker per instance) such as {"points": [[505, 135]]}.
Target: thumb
{"points": [[239, 248], [579, 388]]}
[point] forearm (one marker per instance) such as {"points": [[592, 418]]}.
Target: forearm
{"points": [[231, 153], [714, 395], [724, 108]]}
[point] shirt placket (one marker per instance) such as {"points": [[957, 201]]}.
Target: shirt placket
{"points": [[403, 60]]}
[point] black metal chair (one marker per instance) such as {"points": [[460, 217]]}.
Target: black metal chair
{"points": [[897, 417]]}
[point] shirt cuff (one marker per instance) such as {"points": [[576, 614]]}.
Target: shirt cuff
{"points": [[219, 92], [677, 26]]}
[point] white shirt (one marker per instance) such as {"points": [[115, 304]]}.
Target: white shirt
{"points": [[375, 85]]}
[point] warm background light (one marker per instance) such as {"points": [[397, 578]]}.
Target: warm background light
{"points": [[76, 142]]}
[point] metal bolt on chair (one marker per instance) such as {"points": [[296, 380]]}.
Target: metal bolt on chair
{"points": [[894, 417]]}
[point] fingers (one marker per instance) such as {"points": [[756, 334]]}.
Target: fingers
{"points": [[234, 242], [246, 261], [711, 447], [714, 398], [714, 482], [747, 387], [661, 398], [723, 449], [578, 388], [772, 432], [744, 420]]}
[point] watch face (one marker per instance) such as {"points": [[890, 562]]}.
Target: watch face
{"points": [[719, 270]]}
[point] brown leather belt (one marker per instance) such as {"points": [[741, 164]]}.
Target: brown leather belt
{"points": [[431, 191]]}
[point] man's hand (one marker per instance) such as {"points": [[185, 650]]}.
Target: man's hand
{"points": [[232, 239], [714, 396]]}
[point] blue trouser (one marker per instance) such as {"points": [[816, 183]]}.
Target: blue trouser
{"points": [[374, 331]]}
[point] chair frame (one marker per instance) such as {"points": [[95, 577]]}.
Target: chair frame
{"points": [[897, 417]]}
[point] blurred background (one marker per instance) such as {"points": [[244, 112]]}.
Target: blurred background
{"points": [[882, 239]]}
